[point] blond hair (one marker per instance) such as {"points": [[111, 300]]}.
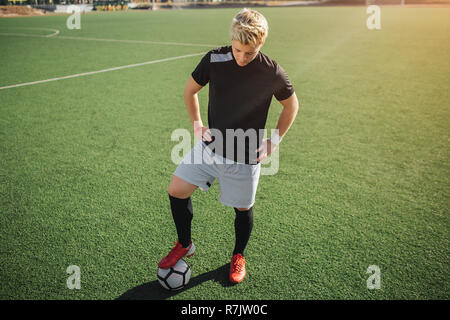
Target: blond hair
{"points": [[249, 27]]}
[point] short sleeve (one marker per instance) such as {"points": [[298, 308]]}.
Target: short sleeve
{"points": [[283, 87], [201, 72]]}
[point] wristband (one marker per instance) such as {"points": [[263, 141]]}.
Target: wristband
{"points": [[275, 138]]}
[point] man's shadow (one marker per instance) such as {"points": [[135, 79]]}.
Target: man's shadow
{"points": [[154, 291]]}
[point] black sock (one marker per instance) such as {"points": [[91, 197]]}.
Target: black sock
{"points": [[243, 225], [182, 216]]}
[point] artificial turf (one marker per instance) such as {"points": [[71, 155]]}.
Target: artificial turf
{"points": [[363, 177]]}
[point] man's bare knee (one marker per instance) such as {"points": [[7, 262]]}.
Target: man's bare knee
{"points": [[173, 192], [178, 192], [243, 209], [180, 189]]}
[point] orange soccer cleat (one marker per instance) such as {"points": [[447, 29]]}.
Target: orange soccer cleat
{"points": [[237, 268], [176, 254]]}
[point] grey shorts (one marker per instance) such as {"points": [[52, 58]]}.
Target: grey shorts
{"points": [[237, 181]]}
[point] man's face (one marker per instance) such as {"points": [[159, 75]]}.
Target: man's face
{"points": [[244, 54]]}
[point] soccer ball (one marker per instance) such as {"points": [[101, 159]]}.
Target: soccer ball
{"points": [[176, 277]]}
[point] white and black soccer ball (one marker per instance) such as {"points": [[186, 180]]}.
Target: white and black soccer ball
{"points": [[176, 277]]}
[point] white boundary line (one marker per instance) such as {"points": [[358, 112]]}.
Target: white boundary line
{"points": [[101, 71], [143, 41], [56, 32]]}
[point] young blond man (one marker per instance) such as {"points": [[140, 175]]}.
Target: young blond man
{"points": [[242, 81]]}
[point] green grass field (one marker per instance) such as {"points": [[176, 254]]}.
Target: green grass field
{"points": [[363, 178]]}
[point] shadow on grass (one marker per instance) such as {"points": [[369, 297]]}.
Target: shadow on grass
{"points": [[154, 291]]}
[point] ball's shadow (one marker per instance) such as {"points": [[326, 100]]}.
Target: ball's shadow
{"points": [[154, 291]]}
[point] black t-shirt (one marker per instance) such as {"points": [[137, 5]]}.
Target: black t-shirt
{"points": [[239, 98]]}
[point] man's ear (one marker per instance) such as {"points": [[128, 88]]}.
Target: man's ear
{"points": [[262, 44]]}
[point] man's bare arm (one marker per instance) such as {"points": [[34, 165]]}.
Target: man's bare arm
{"points": [[287, 117], [193, 108], [191, 100]]}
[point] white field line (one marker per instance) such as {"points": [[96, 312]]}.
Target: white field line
{"points": [[143, 41], [56, 32], [101, 71]]}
